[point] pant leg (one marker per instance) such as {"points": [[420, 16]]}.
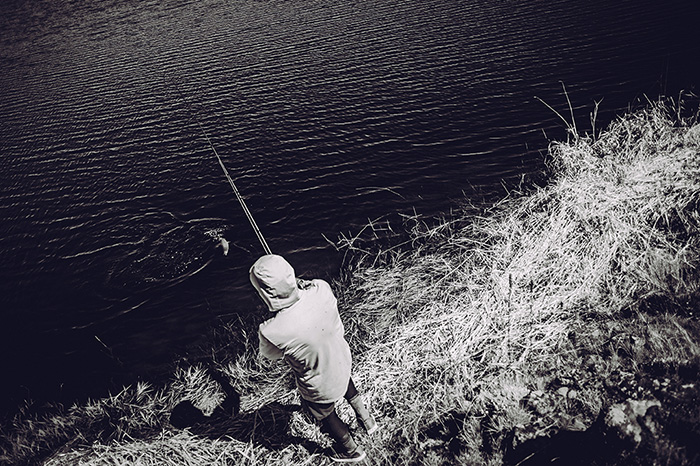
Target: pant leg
{"points": [[351, 391], [319, 411], [339, 432]]}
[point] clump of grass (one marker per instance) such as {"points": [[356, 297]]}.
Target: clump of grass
{"points": [[471, 335], [138, 411]]}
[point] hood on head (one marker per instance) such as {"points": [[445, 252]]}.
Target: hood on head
{"points": [[275, 281]]}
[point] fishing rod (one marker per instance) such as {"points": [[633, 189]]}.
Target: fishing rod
{"points": [[248, 214]]}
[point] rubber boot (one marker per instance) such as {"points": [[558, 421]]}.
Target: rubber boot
{"points": [[363, 415], [346, 449], [348, 443]]}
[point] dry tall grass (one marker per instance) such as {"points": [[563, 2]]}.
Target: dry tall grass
{"points": [[593, 274], [482, 331]]}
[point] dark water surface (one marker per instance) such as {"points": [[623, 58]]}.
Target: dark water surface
{"points": [[327, 113]]}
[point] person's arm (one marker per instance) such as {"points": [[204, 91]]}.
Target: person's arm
{"points": [[268, 349]]}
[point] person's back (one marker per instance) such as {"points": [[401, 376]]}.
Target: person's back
{"points": [[309, 333]]}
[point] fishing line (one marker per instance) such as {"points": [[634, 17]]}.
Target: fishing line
{"points": [[248, 214]]}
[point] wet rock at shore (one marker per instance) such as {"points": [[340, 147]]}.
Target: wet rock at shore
{"points": [[623, 427], [632, 420]]}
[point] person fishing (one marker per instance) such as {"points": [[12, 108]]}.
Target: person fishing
{"points": [[307, 332]]}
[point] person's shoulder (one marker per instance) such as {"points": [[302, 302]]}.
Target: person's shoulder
{"points": [[323, 290], [321, 284]]}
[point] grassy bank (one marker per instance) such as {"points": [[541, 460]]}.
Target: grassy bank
{"points": [[499, 335]]}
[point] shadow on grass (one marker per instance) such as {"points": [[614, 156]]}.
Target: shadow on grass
{"points": [[267, 426], [576, 448]]}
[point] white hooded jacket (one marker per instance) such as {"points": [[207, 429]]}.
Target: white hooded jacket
{"points": [[306, 330]]}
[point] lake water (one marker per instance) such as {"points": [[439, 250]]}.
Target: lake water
{"points": [[328, 114]]}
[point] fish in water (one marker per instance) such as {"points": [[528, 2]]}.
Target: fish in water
{"points": [[224, 245]]}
